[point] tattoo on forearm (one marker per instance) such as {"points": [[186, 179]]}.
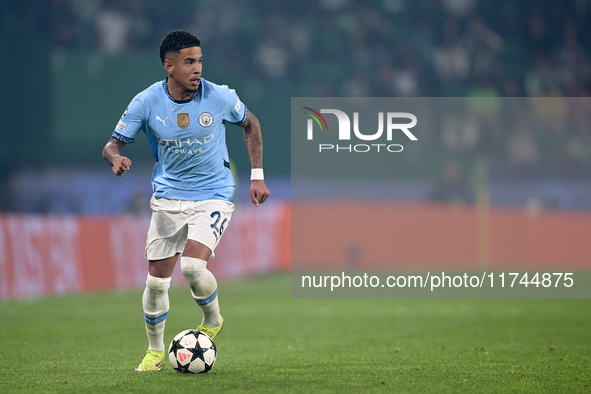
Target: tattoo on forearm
{"points": [[254, 142], [112, 150]]}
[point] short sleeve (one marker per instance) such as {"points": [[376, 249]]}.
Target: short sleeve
{"points": [[234, 110], [130, 123]]}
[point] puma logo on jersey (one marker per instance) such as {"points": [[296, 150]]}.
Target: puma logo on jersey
{"points": [[162, 120]]}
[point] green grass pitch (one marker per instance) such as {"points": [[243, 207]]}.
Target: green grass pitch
{"points": [[273, 343]]}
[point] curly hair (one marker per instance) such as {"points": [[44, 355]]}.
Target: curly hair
{"points": [[177, 40]]}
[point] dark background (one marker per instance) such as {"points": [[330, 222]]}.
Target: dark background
{"points": [[69, 68]]}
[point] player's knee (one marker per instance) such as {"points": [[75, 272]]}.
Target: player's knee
{"points": [[200, 279], [155, 283], [191, 265], [195, 271]]}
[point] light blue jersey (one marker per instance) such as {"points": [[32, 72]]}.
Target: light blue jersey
{"points": [[187, 139]]}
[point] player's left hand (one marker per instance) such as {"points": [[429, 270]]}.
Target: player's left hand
{"points": [[258, 192]]}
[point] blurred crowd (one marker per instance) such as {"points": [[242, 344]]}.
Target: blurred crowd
{"points": [[381, 48], [425, 48], [360, 48]]}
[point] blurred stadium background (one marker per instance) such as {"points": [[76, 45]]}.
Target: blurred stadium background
{"points": [[70, 67]]}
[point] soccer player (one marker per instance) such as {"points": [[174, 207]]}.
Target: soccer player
{"points": [[183, 118]]}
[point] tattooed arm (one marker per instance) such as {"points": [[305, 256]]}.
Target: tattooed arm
{"points": [[112, 154], [254, 143]]}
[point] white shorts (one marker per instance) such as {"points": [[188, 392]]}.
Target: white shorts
{"points": [[175, 221]]}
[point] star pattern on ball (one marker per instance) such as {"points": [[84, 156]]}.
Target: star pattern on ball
{"points": [[203, 352]]}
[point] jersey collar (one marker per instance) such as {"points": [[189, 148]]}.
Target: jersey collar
{"points": [[165, 86]]}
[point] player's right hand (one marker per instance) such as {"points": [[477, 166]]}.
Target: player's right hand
{"points": [[121, 165]]}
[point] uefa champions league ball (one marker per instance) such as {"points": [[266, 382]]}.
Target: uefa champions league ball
{"points": [[192, 351]]}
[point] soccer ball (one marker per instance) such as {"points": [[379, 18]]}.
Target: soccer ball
{"points": [[192, 351]]}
